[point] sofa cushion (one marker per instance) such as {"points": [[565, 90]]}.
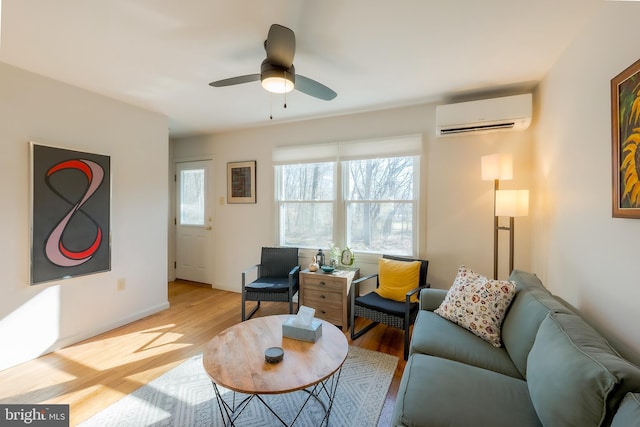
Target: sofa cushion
{"points": [[574, 376], [396, 278], [439, 337], [526, 280], [440, 392], [528, 309], [478, 304], [431, 298], [628, 414], [270, 284], [375, 302]]}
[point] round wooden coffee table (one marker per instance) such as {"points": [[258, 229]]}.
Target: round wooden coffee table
{"points": [[234, 359]]}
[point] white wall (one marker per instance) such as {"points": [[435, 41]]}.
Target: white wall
{"points": [[37, 319], [456, 213], [580, 251]]}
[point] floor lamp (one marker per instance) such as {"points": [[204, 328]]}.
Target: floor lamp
{"points": [[496, 167], [510, 203]]}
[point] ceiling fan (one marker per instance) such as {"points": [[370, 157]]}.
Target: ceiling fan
{"points": [[277, 73]]}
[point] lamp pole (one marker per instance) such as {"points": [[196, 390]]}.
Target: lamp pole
{"points": [[510, 229], [496, 187]]}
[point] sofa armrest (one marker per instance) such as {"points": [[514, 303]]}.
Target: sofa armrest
{"points": [[430, 298]]}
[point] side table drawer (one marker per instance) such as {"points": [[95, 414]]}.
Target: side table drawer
{"points": [[326, 283], [328, 294], [328, 305]]}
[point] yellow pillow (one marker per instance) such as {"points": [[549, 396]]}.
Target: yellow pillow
{"points": [[397, 278]]}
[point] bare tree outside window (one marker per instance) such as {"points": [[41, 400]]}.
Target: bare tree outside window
{"points": [[374, 200], [380, 202], [307, 198]]}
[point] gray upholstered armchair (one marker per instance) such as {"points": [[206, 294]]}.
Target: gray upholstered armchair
{"points": [[277, 279]]}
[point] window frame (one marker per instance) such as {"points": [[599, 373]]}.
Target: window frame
{"points": [[340, 154]]}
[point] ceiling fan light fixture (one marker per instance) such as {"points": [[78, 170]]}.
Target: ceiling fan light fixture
{"points": [[277, 79], [279, 84]]}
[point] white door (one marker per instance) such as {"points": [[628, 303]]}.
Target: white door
{"points": [[194, 221]]}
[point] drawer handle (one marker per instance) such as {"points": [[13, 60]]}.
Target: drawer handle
{"points": [[323, 312], [322, 296], [322, 283]]}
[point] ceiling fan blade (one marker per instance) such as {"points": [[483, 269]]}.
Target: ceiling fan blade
{"points": [[314, 88], [280, 46], [236, 80]]}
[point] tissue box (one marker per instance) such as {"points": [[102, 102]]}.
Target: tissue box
{"points": [[309, 334]]}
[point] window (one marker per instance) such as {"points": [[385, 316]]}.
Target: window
{"points": [[192, 183], [380, 202], [306, 197], [363, 195]]}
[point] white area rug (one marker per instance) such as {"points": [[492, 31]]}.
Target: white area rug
{"points": [[184, 397]]}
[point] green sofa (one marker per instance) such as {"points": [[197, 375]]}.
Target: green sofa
{"points": [[553, 369]]}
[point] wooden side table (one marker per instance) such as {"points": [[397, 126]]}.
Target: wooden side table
{"points": [[328, 294]]}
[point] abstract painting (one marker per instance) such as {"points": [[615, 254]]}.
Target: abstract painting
{"points": [[70, 215]]}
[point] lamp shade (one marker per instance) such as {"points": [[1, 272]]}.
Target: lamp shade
{"points": [[512, 203], [496, 166]]}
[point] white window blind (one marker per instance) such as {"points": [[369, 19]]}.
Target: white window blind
{"points": [[408, 145], [315, 153]]}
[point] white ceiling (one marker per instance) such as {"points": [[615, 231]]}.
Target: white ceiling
{"points": [[161, 54]]}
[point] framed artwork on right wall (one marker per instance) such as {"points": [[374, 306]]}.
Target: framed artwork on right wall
{"points": [[625, 140]]}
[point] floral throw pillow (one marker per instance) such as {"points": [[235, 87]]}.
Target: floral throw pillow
{"points": [[478, 304]]}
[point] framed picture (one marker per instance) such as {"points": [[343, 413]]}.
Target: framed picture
{"points": [[625, 131], [70, 213], [241, 182]]}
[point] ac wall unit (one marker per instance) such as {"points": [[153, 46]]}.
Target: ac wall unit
{"points": [[485, 115]]}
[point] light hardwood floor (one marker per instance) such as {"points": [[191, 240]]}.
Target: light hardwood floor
{"points": [[91, 375]]}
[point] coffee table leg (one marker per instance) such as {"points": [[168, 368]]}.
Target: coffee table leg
{"points": [[328, 388], [230, 412], [331, 393]]}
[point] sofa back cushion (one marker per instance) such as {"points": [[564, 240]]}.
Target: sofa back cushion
{"points": [[528, 309], [574, 376], [628, 414]]}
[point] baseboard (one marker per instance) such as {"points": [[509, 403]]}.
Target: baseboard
{"points": [[100, 329], [76, 338]]}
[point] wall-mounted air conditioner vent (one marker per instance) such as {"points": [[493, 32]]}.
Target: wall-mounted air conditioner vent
{"points": [[485, 115]]}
